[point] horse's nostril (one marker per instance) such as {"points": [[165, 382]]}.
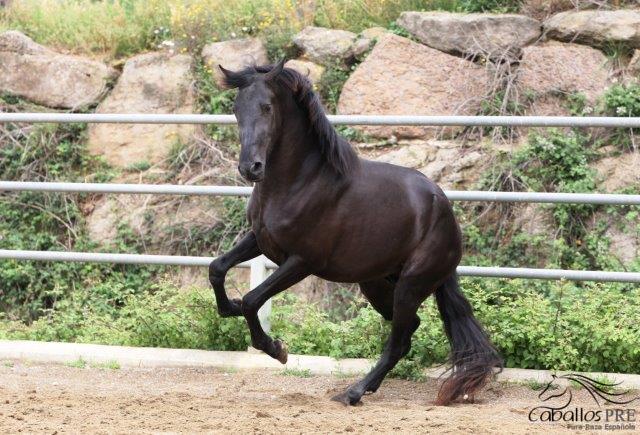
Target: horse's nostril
{"points": [[256, 167]]}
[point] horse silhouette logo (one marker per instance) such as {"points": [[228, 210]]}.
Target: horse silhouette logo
{"points": [[601, 392], [559, 397]]}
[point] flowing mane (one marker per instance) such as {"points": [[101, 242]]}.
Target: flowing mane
{"points": [[337, 152]]}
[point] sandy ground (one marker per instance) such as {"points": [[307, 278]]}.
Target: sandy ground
{"points": [[58, 399]]}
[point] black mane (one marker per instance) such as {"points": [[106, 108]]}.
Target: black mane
{"points": [[336, 150]]}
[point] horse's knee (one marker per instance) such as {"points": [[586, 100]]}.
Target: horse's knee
{"points": [[217, 272], [249, 304]]}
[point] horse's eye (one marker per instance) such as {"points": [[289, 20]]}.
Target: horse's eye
{"points": [[266, 108]]}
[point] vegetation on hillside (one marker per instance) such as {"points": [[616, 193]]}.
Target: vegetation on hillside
{"points": [[536, 324], [578, 326], [556, 325], [124, 27]]}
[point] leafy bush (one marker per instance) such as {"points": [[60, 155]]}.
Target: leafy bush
{"points": [[554, 162], [624, 101], [39, 221], [164, 317], [490, 5], [590, 328], [330, 86]]}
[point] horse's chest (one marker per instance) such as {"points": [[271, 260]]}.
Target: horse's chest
{"points": [[275, 228]]}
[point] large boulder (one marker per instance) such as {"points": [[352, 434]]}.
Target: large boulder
{"points": [[150, 83], [491, 35], [402, 77], [234, 55], [312, 70], [31, 71], [448, 163], [330, 46], [598, 28], [556, 68]]}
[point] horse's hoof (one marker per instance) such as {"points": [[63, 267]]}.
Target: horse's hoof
{"points": [[346, 398], [234, 309], [282, 352]]}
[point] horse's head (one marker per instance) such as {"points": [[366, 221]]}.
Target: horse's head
{"points": [[256, 110]]}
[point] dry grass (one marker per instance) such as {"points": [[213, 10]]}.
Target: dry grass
{"points": [[123, 27]]}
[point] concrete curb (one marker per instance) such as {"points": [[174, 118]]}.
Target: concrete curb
{"points": [[54, 352]]}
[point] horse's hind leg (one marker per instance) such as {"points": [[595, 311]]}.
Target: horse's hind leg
{"points": [[409, 294], [379, 293], [245, 249]]}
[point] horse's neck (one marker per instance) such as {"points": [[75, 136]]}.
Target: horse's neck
{"points": [[295, 159]]}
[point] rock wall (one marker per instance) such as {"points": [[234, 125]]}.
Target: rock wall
{"points": [[448, 68], [450, 64]]}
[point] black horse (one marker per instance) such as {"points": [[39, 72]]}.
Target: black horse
{"points": [[318, 209]]}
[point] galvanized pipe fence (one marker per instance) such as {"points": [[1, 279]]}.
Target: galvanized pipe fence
{"points": [[186, 189], [260, 265], [427, 121]]}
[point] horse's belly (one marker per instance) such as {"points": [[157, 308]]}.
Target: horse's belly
{"points": [[362, 253], [344, 267]]}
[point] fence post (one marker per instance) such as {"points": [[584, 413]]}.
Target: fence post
{"points": [[259, 273]]}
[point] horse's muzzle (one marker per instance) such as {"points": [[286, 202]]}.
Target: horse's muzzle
{"points": [[252, 171]]}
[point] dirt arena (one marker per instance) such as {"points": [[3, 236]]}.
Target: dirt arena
{"points": [[58, 399]]}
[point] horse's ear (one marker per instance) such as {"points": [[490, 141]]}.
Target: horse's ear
{"points": [[277, 69], [232, 79]]}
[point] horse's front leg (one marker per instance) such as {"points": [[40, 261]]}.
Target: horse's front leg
{"points": [[290, 272], [245, 249]]}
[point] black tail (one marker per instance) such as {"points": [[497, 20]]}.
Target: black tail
{"points": [[473, 357]]}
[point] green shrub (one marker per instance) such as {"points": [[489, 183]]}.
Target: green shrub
{"points": [[330, 86], [553, 162], [623, 101], [490, 5], [43, 221], [590, 328]]}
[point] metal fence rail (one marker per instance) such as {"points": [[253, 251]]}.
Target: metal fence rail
{"points": [[431, 121], [259, 265], [177, 260], [181, 189]]}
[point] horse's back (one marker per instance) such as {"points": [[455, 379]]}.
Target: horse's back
{"points": [[398, 181]]}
